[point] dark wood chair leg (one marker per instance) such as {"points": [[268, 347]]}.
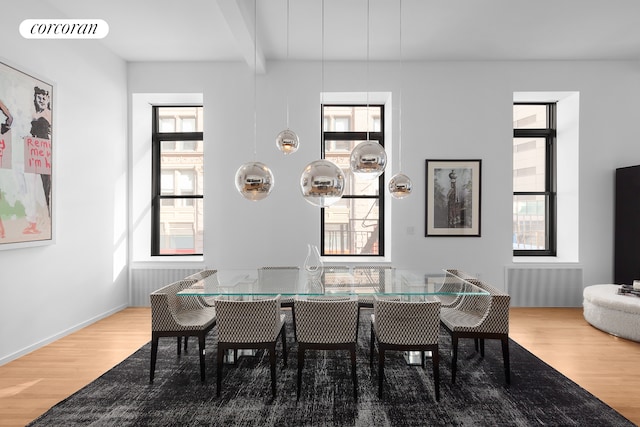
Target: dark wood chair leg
{"points": [[300, 365], [481, 347], [293, 320], [476, 344], [272, 364], [201, 353], [454, 358], [284, 344], [371, 347], [154, 355], [353, 373], [219, 360], [505, 357], [380, 369], [435, 358], [186, 342], [179, 340]]}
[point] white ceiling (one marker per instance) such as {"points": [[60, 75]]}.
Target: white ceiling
{"points": [[223, 30]]}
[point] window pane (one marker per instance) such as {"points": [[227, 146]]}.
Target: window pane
{"points": [[181, 227], [168, 146], [351, 227], [529, 116], [339, 147], [189, 145], [352, 119], [167, 185], [529, 222], [180, 119], [187, 182], [167, 124], [186, 166], [529, 165], [342, 124], [188, 124]]}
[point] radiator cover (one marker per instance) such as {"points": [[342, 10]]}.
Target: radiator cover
{"points": [[146, 280], [545, 286]]}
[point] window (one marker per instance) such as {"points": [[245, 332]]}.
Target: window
{"points": [[534, 171], [177, 181], [354, 226]]}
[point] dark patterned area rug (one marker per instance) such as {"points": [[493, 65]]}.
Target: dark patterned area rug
{"points": [[538, 395]]}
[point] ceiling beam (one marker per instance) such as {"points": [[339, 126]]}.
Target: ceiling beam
{"points": [[242, 25]]}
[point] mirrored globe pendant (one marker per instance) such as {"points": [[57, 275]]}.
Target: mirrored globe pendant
{"points": [[368, 160], [254, 181], [400, 186], [322, 183], [287, 141]]}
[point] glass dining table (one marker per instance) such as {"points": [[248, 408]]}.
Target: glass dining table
{"points": [[364, 282], [331, 281]]}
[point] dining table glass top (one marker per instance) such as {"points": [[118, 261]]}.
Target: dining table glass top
{"points": [[334, 281]]}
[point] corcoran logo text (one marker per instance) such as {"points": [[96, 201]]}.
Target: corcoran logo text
{"points": [[64, 29]]}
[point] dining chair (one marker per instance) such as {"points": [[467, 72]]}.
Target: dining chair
{"points": [[204, 301], [181, 317], [279, 273], [200, 276], [250, 324], [375, 274], [405, 326], [327, 323], [453, 282], [479, 317]]}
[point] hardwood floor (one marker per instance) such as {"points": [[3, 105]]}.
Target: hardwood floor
{"points": [[603, 364], [32, 384]]}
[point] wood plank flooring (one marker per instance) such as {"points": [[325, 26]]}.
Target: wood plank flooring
{"points": [[32, 384], [603, 364]]}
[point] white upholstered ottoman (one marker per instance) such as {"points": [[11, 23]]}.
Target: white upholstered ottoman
{"points": [[616, 314]]}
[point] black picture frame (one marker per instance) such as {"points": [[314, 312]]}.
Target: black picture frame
{"points": [[453, 197]]}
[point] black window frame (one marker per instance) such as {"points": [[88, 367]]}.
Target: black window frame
{"points": [[549, 134], [380, 197], [157, 197]]}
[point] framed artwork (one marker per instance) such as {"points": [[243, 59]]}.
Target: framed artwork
{"points": [[26, 159], [453, 198]]}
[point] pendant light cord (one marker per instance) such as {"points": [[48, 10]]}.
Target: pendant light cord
{"points": [[287, 62], [400, 96], [368, 117], [322, 53], [255, 79], [322, 82]]}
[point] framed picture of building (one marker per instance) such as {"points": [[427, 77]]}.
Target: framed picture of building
{"points": [[453, 197], [26, 159]]}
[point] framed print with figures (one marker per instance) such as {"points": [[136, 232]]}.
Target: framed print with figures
{"points": [[26, 159]]}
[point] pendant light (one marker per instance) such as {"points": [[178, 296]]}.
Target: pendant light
{"points": [[254, 180], [400, 185], [322, 181], [368, 159], [287, 141]]}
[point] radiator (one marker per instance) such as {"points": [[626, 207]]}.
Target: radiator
{"points": [[545, 286], [146, 280]]}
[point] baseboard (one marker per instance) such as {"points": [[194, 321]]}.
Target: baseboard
{"points": [[49, 340]]}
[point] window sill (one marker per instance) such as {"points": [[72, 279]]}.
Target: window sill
{"points": [[541, 260]]}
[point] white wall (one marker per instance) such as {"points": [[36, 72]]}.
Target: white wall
{"points": [[450, 110], [50, 290]]}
